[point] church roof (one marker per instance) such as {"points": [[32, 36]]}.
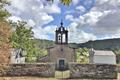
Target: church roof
{"points": [[49, 47], [103, 52], [62, 28]]}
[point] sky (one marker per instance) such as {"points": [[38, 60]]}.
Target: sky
{"points": [[85, 19]]}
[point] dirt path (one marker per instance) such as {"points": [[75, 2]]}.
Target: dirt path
{"points": [[25, 78]]}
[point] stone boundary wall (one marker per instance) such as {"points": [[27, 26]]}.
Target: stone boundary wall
{"points": [[118, 68], [96, 71], [40, 70]]}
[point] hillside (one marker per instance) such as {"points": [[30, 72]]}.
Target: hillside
{"points": [[107, 44], [43, 44]]}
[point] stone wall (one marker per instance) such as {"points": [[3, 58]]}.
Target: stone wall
{"points": [[40, 70], [118, 68], [97, 71], [61, 51]]}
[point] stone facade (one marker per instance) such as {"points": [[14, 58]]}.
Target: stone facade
{"points": [[40, 70], [94, 71], [60, 52]]}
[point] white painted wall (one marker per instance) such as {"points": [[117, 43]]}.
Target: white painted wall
{"points": [[104, 59], [18, 60]]}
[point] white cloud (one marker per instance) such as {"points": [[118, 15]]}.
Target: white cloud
{"points": [[81, 8], [42, 33], [79, 36], [52, 9], [30, 22], [102, 20], [43, 19], [75, 2], [103, 5], [36, 13], [108, 24], [89, 18], [37, 10], [14, 18]]}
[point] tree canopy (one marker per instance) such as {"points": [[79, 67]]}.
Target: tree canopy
{"points": [[3, 12], [22, 38], [5, 33], [65, 2]]}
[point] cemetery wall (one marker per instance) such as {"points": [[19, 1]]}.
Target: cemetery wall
{"points": [[118, 68], [40, 70], [97, 71]]}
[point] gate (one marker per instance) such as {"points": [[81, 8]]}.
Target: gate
{"points": [[62, 65]]}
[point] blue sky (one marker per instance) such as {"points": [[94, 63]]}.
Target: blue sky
{"points": [[85, 19]]}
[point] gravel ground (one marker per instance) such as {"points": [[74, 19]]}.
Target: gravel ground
{"points": [[26, 78]]}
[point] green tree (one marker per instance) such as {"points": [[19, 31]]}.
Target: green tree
{"points": [[82, 55], [5, 33], [117, 52], [22, 38], [65, 2], [3, 12]]}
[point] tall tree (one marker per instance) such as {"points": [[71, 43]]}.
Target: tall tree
{"points": [[22, 38], [5, 33], [3, 12], [82, 55], [65, 2]]}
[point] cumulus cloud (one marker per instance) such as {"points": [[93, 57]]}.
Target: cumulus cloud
{"points": [[102, 20], [79, 36], [36, 13], [104, 5], [44, 33], [75, 2], [35, 10], [108, 23], [15, 18], [80, 8], [52, 9]]}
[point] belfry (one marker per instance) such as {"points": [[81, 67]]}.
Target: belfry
{"points": [[61, 35]]}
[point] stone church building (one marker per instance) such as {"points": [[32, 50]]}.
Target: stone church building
{"points": [[61, 53]]}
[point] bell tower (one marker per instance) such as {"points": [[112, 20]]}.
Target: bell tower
{"points": [[61, 35]]}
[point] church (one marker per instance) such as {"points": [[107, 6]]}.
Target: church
{"points": [[61, 53]]}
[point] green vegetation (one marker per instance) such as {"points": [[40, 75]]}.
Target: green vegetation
{"points": [[22, 38], [3, 12], [108, 44], [41, 47], [5, 33], [117, 52], [82, 55], [65, 2]]}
